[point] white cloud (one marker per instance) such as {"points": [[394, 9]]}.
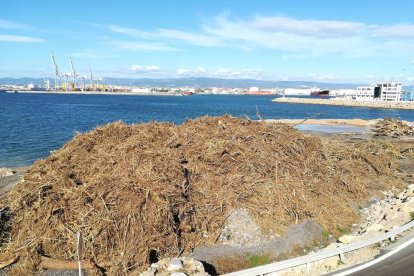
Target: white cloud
{"points": [[323, 77], [143, 46], [393, 31], [192, 38], [200, 70], [183, 72], [224, 72], [168, 34], [294, 36], [220, 72], [92, 54], [5, 24], [130, 31], [140, 68], [290, 37], [19, 38], [314, 28]]}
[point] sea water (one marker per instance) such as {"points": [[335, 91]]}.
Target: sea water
{"points": [[32, 125]]}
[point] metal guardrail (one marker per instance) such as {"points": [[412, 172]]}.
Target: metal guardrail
{"points": [[278, 266]]}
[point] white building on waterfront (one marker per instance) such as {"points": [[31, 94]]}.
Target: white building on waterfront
{"points": [[365, 93], [254, 89], [141, 89], [388, 91]]}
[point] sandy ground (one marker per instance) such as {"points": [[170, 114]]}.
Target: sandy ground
{"points": [[330, 122]]}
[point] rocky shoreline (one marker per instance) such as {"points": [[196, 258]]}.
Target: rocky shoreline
{"points": [[346, 102]]}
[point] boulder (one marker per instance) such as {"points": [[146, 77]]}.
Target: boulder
{"points": [[5, 172], [375, 227], [183, 266], [346, 239]]}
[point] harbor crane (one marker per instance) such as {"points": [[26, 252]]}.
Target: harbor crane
{"points": [[46, 82], [90, 74], [73, 75], [56, 71], [73, 80], [92, 80]]}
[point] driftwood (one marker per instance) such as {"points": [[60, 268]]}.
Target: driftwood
{"points": [[311, 117], [9, 262]]}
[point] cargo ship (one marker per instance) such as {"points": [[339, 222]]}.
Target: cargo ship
{"points": [[320, 93]]}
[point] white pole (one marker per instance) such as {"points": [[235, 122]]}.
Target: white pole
{"points": [[79, 250]]}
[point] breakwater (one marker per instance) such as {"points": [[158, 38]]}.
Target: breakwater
{"points": [[346, 102]]}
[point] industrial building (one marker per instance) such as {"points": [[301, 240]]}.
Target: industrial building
{"points": [[387, 91], [365, 93]]}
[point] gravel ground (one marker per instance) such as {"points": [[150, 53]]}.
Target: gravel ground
{"points": [[299, 235]]}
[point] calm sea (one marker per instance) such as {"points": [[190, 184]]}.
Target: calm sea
{"points": [[31, 125]]}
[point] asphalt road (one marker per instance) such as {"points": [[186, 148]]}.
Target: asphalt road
{"points": [[401, 264]]}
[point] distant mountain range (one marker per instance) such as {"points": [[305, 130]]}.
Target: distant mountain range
{"points": [[199, 82]]}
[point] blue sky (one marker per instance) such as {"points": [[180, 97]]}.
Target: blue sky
{"points": [[330, 41]]}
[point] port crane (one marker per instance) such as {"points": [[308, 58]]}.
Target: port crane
{"points": [[73, 77], [93, 85], [56, 71], [46, 82]]}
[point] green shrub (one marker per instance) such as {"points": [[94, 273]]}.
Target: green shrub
{"points": [[257, 260]]}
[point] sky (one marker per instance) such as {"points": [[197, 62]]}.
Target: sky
{"points": [[339, 41]]}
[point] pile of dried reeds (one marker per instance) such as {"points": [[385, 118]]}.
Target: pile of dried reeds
{"points": [[392, 127], [136, 189]]}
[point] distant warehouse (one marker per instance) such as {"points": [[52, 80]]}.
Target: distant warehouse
{"points": [[387, 91]]}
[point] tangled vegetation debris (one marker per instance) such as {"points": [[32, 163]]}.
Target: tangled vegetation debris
{"points": [[392, 127], [135, 191]]}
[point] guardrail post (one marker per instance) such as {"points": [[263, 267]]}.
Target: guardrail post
{"points": [[342, 257]]}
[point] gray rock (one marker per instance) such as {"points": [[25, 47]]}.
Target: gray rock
{"points": [[175, 265], [6, 172]]}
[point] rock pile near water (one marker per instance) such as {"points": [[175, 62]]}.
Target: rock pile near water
{"points": [[158, 188]]}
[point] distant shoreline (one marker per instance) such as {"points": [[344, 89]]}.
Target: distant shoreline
{"points": [[94, 93], [343, 102]]}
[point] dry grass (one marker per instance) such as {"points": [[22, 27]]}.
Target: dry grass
{"points": [[133, 188]]}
